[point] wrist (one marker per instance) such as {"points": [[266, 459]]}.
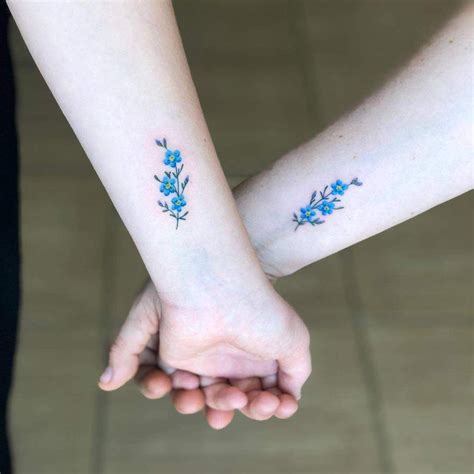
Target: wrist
{"points": [[265, 237], [200, 275]]}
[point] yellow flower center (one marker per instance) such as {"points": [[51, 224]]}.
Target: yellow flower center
{"points": [[167, 185], [338, 188], [171, 158], [308, 213]]}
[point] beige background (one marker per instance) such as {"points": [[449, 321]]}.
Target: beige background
{"points": [[390, 317]]}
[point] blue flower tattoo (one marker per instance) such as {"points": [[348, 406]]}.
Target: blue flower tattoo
{"points": [[326, 207], [172, 158], [324, 203], [306, 213], [167, 186], [338, 188], [170, 184], [178, 203]]}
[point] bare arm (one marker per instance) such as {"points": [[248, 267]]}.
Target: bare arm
{"points": [[119, 73], [410, 144]]}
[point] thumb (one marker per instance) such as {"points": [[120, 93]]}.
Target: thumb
{"points": [[294, 368], [124, 356]]}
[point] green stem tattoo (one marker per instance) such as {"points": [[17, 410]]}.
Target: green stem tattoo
{"points": [[170, 184]]}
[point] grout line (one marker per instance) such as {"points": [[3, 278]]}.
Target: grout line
{"points": [[98, 442], [298, 15], [366, 361]]}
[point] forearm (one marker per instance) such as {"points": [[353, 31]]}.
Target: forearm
{"points": [[409, 144], [119, 73]]}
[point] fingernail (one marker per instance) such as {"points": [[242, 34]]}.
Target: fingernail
{"points": [[106, 377]]}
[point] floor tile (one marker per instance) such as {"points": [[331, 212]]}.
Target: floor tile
{"points": [[425, 374], [48, 145], [423, 266], [53, 402], [318, 291], [58, 360], [62, 231]]}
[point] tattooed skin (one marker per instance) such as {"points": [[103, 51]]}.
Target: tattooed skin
{"points": [[324, 205], [170, 184]]}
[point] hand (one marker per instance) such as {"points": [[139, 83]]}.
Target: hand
{"points": [[249, 343]]}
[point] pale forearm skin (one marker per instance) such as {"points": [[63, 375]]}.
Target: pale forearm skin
{"points": [[119, 73], [410, 144]]}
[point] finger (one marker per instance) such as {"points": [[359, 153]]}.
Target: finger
{"points": [[218, 419], [222, 396], [153, 383], [247, 385], [181, 379], [140, 325], [288, 405], [188, 402], [262, 405], [295, 368]]}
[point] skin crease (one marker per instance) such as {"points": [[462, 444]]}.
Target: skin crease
{"points": [[144, 336]]}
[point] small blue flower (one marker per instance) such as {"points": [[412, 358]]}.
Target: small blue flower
{"points": [[338, 187], [307, 214], [172, 157], [178, 203], [167, 185], [326, 207]]}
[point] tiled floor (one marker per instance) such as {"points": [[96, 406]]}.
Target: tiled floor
{"points": [[390, 318]]}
